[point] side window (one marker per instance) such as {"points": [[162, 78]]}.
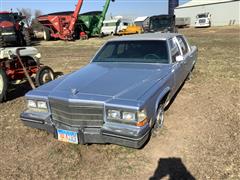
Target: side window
{"points": [[174, 50], [183, 45]]}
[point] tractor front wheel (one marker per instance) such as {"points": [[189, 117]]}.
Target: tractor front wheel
{"points": [[3, 85], [44, 75], [26, 37]]}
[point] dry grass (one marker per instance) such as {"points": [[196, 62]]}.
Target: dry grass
{"points": [[201, 128]]}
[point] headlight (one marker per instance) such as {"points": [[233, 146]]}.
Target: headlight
{"points": [[37, 106], [127, 117], [8, 33], [114, 114], [38, 55], [41, 105], [31, 104], [130, 116]]}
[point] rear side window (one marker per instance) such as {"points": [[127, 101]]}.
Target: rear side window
{"points": [[174, 49], [183, 45]]}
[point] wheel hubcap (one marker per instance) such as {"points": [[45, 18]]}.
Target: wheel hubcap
{"points": [[1, 84], [160, 118], [47, 76], [44, 35]]}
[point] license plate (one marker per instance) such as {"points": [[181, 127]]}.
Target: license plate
{"points": [[67, 136]]}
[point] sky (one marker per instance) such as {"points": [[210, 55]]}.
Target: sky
{"points": [[127, 8]]}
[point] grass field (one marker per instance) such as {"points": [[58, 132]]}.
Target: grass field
{"points": [[200, 138]]}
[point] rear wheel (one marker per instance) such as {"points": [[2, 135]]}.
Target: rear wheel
{"points": [[44, 75], [46, 34], [2, 43], [3, 85]]}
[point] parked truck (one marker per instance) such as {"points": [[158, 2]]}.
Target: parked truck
{"points": [[203, 20], [161, 23]]}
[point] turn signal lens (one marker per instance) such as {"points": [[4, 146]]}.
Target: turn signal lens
{"points": [[142, 123]]}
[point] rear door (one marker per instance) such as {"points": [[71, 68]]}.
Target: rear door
{"points": [[187, 55], [177, 67]]}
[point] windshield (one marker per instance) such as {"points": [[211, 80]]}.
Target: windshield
{"points": [[143, 51], [202, 16], [6, 17]]}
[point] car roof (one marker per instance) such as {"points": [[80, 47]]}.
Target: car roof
{"points": [[147, 36]]}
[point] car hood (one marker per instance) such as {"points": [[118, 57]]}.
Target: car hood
{"points": [[126, 81]]}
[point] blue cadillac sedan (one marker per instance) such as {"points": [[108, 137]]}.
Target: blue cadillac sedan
{"points": [[117, 98]]}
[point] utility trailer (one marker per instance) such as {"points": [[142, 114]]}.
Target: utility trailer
{"points": [[18, 65], [60, 25], [182, 22]]}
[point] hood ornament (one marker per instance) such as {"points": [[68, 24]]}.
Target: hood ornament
{"points": [[74, 91]]}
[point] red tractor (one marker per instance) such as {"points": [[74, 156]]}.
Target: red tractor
{"points": [[19, 65], [14, 30]]}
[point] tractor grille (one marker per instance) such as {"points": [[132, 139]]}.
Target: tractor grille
{"points": [[202, 21], [77, 114]]}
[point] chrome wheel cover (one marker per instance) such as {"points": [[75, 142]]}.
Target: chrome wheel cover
{"points": [[1, 84]]}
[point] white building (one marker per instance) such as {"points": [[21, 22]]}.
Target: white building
{"points": [[141, 21], [223, 12]]}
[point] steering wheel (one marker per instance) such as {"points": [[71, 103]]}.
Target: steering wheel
{"points": [[151, 56]]}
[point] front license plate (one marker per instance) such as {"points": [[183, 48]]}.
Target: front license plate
{"points": [[67, 136]]}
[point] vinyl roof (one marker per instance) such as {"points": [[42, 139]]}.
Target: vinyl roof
{"points": [[201, 2]]}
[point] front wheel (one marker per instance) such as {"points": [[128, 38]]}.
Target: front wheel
{"points": [[3, 85], [26, 37], [44, 75], [160, 117]]}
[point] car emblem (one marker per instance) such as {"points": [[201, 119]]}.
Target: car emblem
{"points": [[74, 91]]}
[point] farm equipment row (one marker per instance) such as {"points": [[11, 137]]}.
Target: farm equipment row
{"points": [[71, 25]]}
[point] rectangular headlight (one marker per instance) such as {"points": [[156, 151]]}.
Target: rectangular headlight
{"points": [[114, 114], [41, 105], [31, 104], [129, 116], [37, 106]]}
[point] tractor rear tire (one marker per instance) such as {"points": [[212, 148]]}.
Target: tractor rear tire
{"points": [[46, 34], [26, 37], [2, 43], [44, 75], [3, 85]]}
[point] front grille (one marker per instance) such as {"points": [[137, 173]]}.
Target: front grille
{"points": [[202, 20], [77, 114]]}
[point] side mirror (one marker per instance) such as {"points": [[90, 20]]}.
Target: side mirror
{"points": [[179, 58]]}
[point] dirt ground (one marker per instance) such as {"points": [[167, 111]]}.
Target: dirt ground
{"points": [[200, 138]]}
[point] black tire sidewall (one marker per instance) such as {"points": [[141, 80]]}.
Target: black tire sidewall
{"points": [[46, 32], [40, 74], [26, 37], [5, 85]]}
